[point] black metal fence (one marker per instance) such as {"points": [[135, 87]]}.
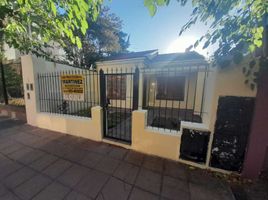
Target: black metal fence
{"points": [[54, 97], [172, 95], [119, 97]]}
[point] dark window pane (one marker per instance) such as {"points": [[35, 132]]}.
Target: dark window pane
{"points": [[116, 87], [170, 88]]}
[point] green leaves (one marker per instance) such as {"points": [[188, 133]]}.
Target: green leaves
{"points": [[153, 4], [35, 24]]}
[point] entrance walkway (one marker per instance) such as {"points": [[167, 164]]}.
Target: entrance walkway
{"points": [[44, 165]]}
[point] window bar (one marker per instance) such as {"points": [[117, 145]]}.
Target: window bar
{"points": [[195, 93], [160, 99], [203, 92], [173, 98], [166, 79], [179, 111], [154, 94], [188, 86]]}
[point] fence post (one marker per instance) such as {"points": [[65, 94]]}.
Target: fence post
{"points": [[136, 89], [102, 89]]}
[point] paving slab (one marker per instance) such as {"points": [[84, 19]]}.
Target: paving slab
{"points": [[73, 175], [57, 168], [175, 189], [127, 172], [55, 191], [76, 196], [19, 177], [43, 162], [32, 187], [149, 181], [92, 183], [115, 189], [138, 194], [91, 159], [107, 165]]}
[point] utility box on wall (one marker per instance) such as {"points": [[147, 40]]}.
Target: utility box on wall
{"points": [[194, 145]]}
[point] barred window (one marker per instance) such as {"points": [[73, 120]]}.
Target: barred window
{"points": [[170, 88], [116, 87]]}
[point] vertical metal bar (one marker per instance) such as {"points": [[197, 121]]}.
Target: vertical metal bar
{"points": [[103, 99], [159, 106], [144, 90], [46, 85], [135, 89], [131, 103], [203, 92], [94, 95], [54, 92], [116, 101], [173, 97], [87, 76], [121, 93], [166, 79], [195, 93], [125, 113], [154, 93], [90, 90], [188, 85], [39, 92]]}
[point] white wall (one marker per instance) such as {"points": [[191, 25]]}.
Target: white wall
{"points": [[85, 127]]}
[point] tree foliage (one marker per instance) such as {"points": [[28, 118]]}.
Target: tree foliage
{"points": [[29, 25], [13, 82], [235, 25], [103, 38]]}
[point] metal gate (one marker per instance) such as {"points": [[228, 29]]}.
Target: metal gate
{"points": [[119, 97]]}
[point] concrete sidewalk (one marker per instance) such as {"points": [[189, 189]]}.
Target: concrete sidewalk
{"points": [[44, 165]]}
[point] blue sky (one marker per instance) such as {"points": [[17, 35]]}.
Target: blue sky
{"points": [[158, 32]]}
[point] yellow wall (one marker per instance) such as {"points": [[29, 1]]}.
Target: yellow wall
{"points": [[152, 142]]}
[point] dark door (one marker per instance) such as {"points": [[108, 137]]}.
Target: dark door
{"points": [[119, 99], [231, 132]]}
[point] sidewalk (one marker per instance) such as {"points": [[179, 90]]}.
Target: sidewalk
{"points": [[44, 165]]}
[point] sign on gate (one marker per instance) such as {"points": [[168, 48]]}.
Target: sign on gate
{"points": [[73, 87]]}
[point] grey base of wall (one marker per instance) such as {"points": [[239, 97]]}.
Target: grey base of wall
{"points": [[13, 112]]}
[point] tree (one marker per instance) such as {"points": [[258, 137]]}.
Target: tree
{"points": [[235, 25], [104, 38], [30, 25], [13, 82]]}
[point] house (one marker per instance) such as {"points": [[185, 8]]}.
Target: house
{"points": [[174, 106]]}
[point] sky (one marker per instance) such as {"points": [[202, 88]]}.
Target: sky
{"points": [[160, 31]]}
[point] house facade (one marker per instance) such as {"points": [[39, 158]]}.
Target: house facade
{"points": [[174, 106]]}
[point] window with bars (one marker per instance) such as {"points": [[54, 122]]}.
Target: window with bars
{"points": [[116, 87], [170, 88]]}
